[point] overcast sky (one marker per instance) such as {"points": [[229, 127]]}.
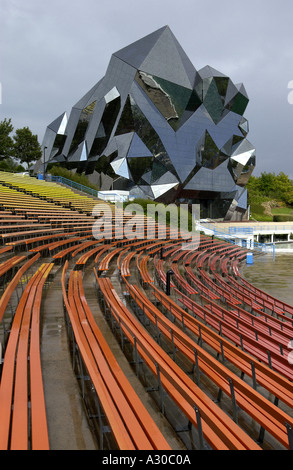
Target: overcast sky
{"points": [[53, 52]]}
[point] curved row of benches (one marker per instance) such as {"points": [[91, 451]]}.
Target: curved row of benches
{"points": [[260, 409], [22, 404], [245, 324], [131, 425], [216, 313], [218, 430], [143, 269], [280, 387]]}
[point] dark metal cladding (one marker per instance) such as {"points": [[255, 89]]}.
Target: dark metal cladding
{"points": [[157, 127]]}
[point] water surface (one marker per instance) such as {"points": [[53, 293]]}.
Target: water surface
{"points": [[273, 274]]}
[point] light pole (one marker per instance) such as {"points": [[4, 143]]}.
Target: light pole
{"points": [[44, 172]]}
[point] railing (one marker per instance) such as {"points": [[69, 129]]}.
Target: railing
{"points": [[114, 197], [241, 230], [260, 227], [235, 238], [74, 185]]}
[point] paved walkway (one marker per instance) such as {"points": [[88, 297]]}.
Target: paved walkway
{"points": [[67, 422]]}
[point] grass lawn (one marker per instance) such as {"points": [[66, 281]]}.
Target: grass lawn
{"points": [[282, 210], [257, 212]]}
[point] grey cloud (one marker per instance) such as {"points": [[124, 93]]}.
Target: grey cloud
{"points": [[51, 53]]}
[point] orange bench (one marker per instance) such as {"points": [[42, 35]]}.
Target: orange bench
{"points": [[9, 264], [13, 283], [50, 247], [98, 251], [105, 263], [132, 426], [7, 237], [261, 374], [217, 428], [255, 405], [21, 384], [125, 264], [142, 267]]}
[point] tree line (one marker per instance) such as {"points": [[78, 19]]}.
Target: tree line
{"points": [[271, 186], [21, 148]]}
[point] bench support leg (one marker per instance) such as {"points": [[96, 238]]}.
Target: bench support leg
{"points": [[137, 359], [253, 375], [269, 359], [199, 428], [196, 368], [82, 376], [174, 349], [123, 338], [221, 354], [276, 401], [159, 389], [290, 435], [199, 341], [261, 435], [183, 324], [219, 396], [102, 428], [158, 338], [234, 403]]}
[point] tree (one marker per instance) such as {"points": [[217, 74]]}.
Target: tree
{"points": [[284, 188], [6, 142], [11, 165], [26, 146], [270, 186]]}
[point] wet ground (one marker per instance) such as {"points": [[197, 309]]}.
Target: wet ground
{"points": [[272, 274], [67, 422]]}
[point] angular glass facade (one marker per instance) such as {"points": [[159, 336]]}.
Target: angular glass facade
{"points": [[159, 128]]}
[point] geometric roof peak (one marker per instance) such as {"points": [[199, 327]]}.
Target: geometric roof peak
{"points": [[160, 54], [59, 124], [135, 53], [208, 71]]}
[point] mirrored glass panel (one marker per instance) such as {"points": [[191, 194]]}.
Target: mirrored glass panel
{"points": [[156, 126], [106, 126], [82, 126]]}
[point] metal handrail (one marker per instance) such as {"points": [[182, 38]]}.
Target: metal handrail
{"points": [[235, 238], [75, 185]]}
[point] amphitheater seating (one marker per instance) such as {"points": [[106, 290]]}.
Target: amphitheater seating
{"points": [[13, 283], [261, 374], [9, 265], [132, 426], [21, 385], [247, 342], [220, 432], [217, 323], [48, 192], [261, 410]]}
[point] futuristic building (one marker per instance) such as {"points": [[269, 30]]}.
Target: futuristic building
{"points": [[159, 128]]}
